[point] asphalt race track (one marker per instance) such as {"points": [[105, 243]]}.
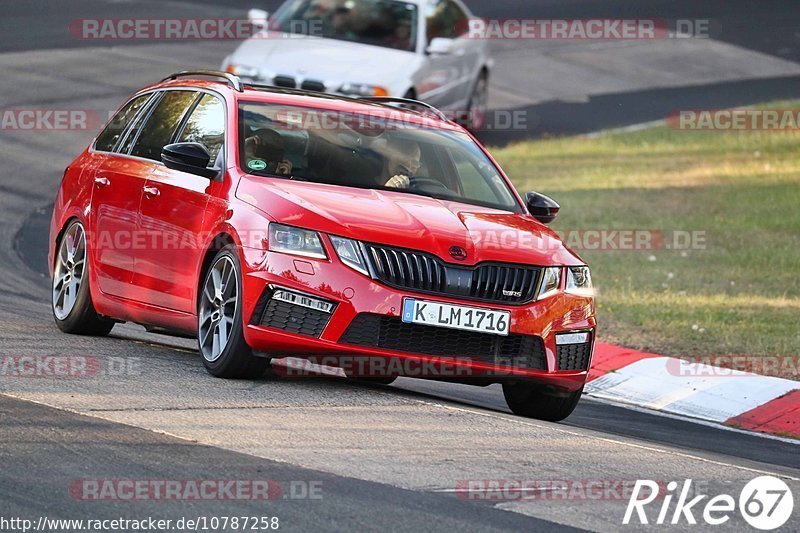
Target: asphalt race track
{"points": [[377, 458]]}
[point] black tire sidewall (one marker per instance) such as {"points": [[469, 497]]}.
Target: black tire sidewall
{"points": [[82, 316], [532, 400], [230, 361], [473, 124]]}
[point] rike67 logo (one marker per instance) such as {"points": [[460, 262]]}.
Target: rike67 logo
{"points": [[766, 503]]}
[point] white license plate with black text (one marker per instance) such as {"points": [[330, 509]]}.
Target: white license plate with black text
{"points": [[455, 316]]}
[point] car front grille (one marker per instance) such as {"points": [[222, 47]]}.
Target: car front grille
{"points": [[391, 333], [574, 356], [421, 272]]}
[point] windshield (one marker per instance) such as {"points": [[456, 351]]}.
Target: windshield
{"points": [[376, 152], [386, 23]]}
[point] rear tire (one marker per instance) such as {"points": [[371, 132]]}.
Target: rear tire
{"points": [[71, 300], [220, 332], [532, 401]]}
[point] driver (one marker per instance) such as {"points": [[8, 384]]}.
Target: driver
{"points": [[401, 163], [267, 145]]}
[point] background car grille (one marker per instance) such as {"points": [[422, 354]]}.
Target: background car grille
{"points": [[313, 85], [574, 356], [391, 333], [284, 81], [503, 283]]}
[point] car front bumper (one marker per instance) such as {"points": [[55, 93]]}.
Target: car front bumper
{"points": [[359, 304]]}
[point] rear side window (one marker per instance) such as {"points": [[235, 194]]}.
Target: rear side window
{"points": [[206, 125], [110, 135], [162, 123]]}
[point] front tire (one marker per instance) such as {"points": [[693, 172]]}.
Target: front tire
{"points": [[532, 401], [478, 106], [71, 301], [220, 332]]}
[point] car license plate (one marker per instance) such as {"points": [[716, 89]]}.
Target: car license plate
{"points": [[455, 316]]}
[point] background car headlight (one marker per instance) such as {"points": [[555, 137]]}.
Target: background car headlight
{"points": [[551, 281], [242, 70], [298, 241], [350, 253], [579, 281], [362, 89]]}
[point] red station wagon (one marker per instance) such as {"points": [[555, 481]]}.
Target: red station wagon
{"points": [[373, 234]]}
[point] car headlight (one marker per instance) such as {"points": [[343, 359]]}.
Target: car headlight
{"points": [[242, 70], [297, 241], [551, 281], [350, 253], [362, 89], [579, 281]]}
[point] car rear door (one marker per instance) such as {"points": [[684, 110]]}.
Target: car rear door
{"points": [[174, 205], [117, 190]]}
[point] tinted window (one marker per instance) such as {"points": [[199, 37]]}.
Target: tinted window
{"points": [[444, 19], [162, 123], [387, 23], [124, 146], [110, 135], [363, 151], [456, 19], [206, 125]]}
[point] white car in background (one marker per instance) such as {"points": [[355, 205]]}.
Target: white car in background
{"points": [[418, 49]]}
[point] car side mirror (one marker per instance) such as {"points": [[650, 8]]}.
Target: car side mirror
{"points": [[541, 207], [441, 46], [258, 18], [188, 157]]}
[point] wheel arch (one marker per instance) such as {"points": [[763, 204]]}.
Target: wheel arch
{"points": [[221, 239]]}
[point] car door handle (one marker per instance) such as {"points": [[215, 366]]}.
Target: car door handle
{"points": [[102, 181], [151, 192]]}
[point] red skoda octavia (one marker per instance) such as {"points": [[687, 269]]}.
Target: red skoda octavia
{"points": [[370, 234]]}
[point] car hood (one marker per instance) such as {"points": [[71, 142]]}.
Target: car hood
{"points": [[408, 221], [327, 60]]}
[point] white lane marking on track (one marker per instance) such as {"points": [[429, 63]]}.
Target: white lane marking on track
{"points": [[698, 421], [690, 389], [613, 441]]}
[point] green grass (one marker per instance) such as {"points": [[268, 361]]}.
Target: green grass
{"points": [[741, 294]]}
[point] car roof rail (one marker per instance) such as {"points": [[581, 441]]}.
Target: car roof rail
{"points": [[388, 100], [380, 100], [232, 80], [291, 90]]}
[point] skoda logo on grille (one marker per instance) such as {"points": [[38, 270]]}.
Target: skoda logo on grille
{"points": [[458, 253]]}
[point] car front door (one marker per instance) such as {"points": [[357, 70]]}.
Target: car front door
{"points": [[173, 208], [117, 182], [440, 81]]}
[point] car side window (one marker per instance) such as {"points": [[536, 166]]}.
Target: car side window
{"points": [[455, 19], [444, 18], [124, 146], [160, 127], [206, 125], [478, 181], [108, 138]]}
